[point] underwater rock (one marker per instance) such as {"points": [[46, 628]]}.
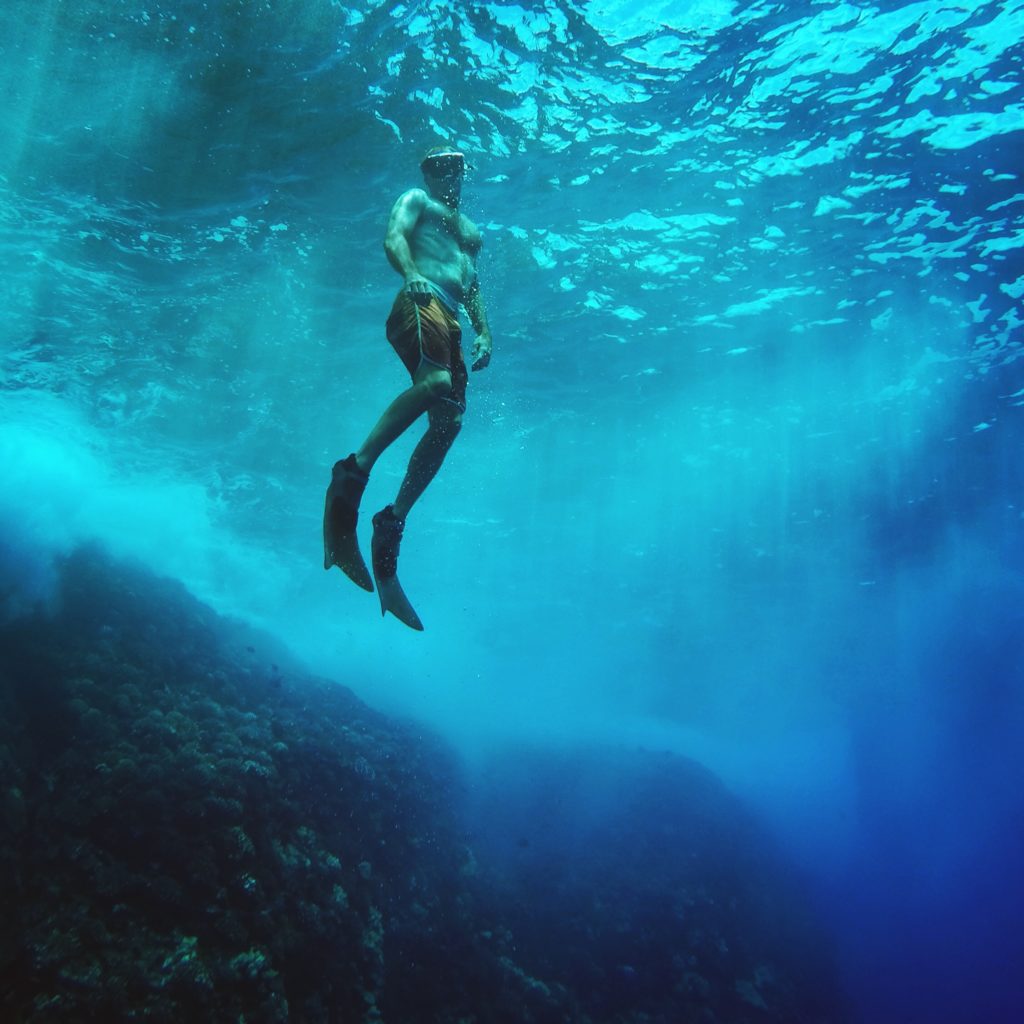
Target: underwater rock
{"points": [[193, 828], [639, 883]]}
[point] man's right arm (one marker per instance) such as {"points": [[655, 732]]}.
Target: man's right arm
{"points": [[405, 215]]}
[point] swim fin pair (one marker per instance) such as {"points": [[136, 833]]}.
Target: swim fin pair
{"points": [[341, 545]]}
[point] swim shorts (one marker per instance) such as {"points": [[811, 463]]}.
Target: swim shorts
{"points": [[429, 334]]}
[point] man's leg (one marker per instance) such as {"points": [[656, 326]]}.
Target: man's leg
{"points": [[445, 420], [348, 477], [445, 423], [430, 385]]}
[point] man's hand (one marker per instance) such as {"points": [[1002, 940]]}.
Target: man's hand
{"points": [[419, 289], [481, 351]]}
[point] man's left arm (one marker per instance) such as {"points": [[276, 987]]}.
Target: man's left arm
{"points": [[474, 305]]}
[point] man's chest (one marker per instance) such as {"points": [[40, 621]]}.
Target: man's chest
{"points": [[445, 228]]}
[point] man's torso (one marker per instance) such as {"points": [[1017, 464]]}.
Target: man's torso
{"points": [[444, 245]]}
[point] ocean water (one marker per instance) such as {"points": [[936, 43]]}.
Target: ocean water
{"points": [[743, 480]]}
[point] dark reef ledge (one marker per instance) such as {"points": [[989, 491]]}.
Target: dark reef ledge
{"points": [[191, 829]]}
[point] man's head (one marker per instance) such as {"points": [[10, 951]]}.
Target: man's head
{"points": [[443, 170]]}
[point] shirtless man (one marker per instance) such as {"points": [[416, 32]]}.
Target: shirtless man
{"points": [[434, 247]]}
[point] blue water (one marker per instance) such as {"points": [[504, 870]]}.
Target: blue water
{"points": [[743, 479]]}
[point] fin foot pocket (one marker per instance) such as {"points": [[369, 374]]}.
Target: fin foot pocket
{"points": [[341, 515], [387, 539]]}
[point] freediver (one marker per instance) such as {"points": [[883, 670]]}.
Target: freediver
{"points": [[434, 246]]}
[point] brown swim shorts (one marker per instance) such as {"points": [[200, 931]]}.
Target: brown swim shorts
{"points": [[429, 334]]}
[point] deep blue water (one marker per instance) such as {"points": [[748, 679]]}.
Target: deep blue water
{"points": [[743, 479]]}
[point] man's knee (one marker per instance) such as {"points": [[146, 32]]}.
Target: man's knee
{"points": [[446, 419], [454, 420], [437, 384]]}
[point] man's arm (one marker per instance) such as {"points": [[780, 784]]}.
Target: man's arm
{"points": [[405, 215], [474, 305]]}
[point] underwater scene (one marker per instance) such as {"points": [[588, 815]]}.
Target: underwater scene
{"points": [[648, 376]]}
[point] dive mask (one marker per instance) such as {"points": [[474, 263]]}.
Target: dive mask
{"points": [[444, 165]]}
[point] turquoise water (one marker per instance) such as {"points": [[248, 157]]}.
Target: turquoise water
{"points": [[743, 479]]}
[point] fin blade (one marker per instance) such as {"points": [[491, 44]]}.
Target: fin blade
{"points": [[393, 599], [341, 548], [349, 559]]}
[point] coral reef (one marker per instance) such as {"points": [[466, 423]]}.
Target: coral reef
{"points": [[193, 828]]}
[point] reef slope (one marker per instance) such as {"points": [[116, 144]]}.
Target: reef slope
{"points": [[191, 828]]}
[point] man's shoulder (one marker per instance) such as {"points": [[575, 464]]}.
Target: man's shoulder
{"points": [[414, 196]]}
